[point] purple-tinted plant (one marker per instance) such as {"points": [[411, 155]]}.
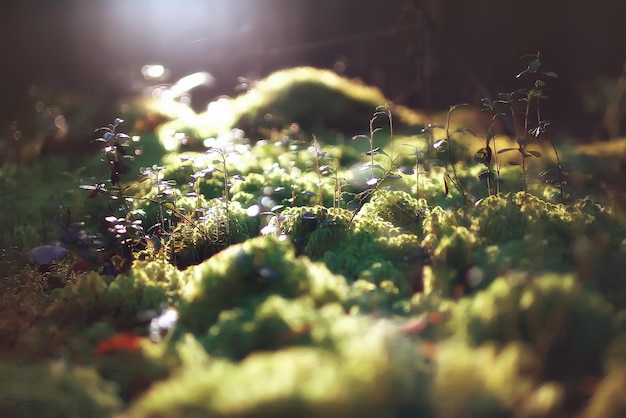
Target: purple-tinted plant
{"points": [[128, 230]]}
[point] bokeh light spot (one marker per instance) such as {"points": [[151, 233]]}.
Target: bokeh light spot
{"points": [[153, 71]]}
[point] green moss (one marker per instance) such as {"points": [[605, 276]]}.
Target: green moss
{"points": [[367, 296], [193, 241], [333, 105], [266, 325], [255, 269], [281, 187], [398, 208], [315, 230], [483, 382], [456, 249], [147, 286], [35, 199], [373, 371], [132, 371], [55, 390], [332, 312], [550, 312]]}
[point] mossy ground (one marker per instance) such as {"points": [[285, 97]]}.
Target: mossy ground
{"points": [[283, 281]]}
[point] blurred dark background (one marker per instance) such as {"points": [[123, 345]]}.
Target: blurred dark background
{"points": [[427, 54]]}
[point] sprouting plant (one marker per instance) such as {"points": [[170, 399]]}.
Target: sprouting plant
{"points": [[444, 145], [338, 184], [486, 155], [418, 168], [556, 176], [198, 173], [386, 173], [530, 99], [385, 110], [128, 230], [321, 168], [374, 182], [226, 179], [115, 160], [326, 166], [164, 188]]}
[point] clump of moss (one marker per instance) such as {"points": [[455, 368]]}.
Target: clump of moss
{"points": [[132, 371], [500, 219], [250, 272], [490, 381], [452, 259], [513, 231], [277, 186], [268, 325], [55, 390], [148, 286], [359, 248], [368, 296], [554, 314], [192, 242], [319, 101], [371, 371], [398, 208], [315, 230]]}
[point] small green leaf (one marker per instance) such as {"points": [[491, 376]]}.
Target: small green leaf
{"points": [[370, 166], [533, 154], [503, 150], [374, 151]]}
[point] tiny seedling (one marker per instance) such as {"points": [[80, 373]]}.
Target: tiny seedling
{"points": [[227, 183], [486, 155], [530, 99], [445, 145]]}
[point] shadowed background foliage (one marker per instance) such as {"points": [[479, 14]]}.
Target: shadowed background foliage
{"points": [[422, 53]]}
